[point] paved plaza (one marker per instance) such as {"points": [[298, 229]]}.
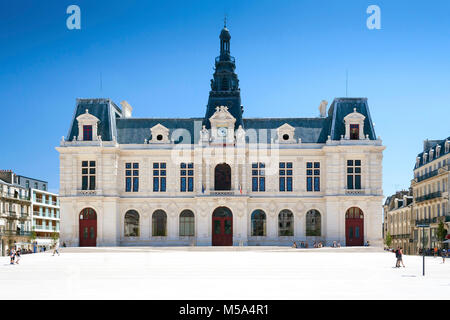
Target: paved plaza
{"points": [[222, 273]]}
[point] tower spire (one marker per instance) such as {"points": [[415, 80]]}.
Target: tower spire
{"points": [[225, 84]]}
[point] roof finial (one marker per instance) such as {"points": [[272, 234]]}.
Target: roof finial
{"points": [[225, 21]]}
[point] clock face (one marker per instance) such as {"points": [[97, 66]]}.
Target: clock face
{"points": [[222, 131]]}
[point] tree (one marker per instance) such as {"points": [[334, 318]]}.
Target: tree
{"points": [[33, 235], [388, 240], [441, 232], [55, 237]]}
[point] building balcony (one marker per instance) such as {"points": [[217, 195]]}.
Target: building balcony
{"points": [[17, 233], [10, 195], [432, 220], [39, 214], [47, 202], [226, 58], [40, 227], [430, 196], [12, 214], [427, 175], [88, 193], [355, 192], [222, 193]]}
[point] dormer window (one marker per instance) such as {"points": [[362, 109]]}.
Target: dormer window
{"points": [[425, 155], [431, 154], [447, 146], [160, 134], [87, 133], [87, 127], [285, 134], [354, 126], [354, 132], [438, 151]]}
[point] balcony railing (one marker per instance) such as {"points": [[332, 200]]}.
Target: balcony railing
{"points": [[17, 233], [40, 227], [221, 193], [87, 192], [14, 196], [354, 191], [225, 59], [445, 218], [427, 175], [44, 215], [430, 196]]}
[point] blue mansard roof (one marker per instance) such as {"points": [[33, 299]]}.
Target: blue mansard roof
{"points": [[342, 107], [137, 130], [428, 145], [104, 109]]}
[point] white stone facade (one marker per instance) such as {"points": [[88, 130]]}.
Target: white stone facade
{"points": [[110, 200]]}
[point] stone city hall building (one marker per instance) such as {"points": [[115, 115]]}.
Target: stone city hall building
{"points": [[221, 179]]}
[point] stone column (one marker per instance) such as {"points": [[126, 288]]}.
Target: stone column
{"points": [[236, 176]]}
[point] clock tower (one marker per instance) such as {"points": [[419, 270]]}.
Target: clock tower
{"points": [[222, 126], [225, 84]]}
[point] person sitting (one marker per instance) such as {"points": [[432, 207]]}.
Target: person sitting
{"points": [[294, 245]]}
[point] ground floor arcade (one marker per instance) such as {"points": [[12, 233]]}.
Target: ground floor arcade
{"points": [[206, 221]]}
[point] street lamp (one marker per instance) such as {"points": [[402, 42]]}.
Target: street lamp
{"points": [[423, 226]]}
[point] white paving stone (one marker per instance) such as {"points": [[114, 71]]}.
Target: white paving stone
{"points": [[232, 273]]}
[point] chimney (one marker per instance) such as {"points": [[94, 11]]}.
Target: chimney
{"points": [[323, 108], [126, 109], [7, 176]]}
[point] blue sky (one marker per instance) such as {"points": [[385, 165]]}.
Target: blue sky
{"points": [[159, 56]]}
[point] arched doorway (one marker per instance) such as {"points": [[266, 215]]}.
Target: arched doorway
{"points": [[222, 177], [354, 227], [222, 227], [88, 228]]}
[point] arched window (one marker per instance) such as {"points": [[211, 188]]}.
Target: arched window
{"points": [[187, 223], [285, 223], [222, 177], [159, 223], [258, 223], [354, 213], [131, 224], [313, 223]]}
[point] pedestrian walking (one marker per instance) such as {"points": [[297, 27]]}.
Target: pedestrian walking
{"points": [[400, 258], [18, 255], [444, 255], [55, 249], [12, 255], [435, 251], [397, 261]]}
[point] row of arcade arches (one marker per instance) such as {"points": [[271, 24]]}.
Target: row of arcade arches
{"points": [[222, 225]]}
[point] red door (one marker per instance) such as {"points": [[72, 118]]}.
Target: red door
{"points": [[354, 227], [88, 228], [222, 227]]}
